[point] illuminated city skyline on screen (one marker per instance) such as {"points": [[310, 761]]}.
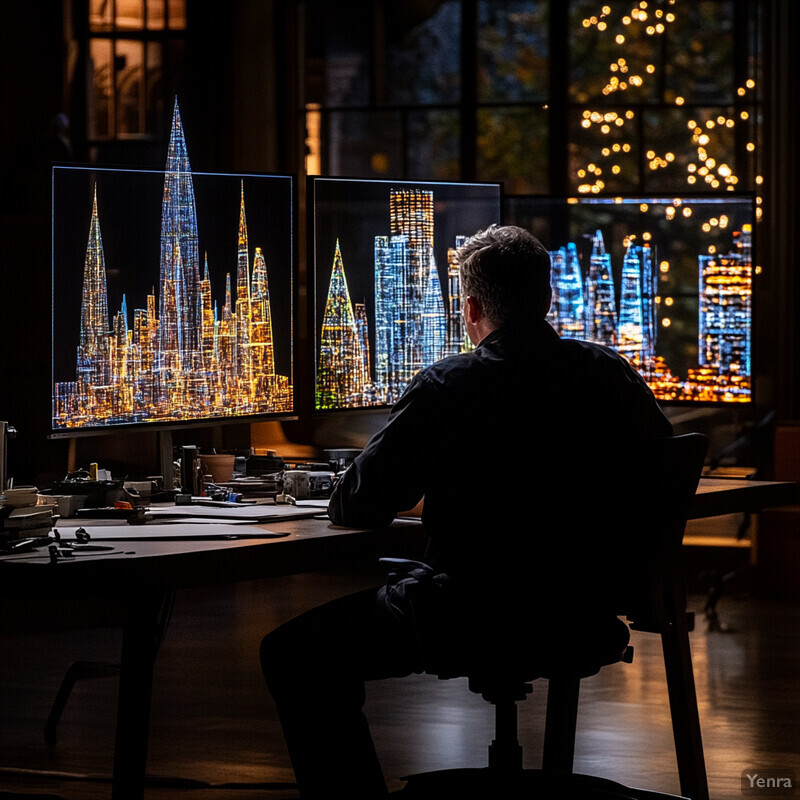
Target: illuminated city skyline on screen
{"points": [[172, 294], [386, 285], [666, 282]]}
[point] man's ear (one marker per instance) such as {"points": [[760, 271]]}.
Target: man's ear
{"points": [[548, 302], [473, 310]]}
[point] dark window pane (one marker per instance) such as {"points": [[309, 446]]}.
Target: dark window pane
{"points": [[101, 108], [166, 84], [154, 88], [339, 46], [130, 87], [423, 58], [363, 144], [434, 145], [513, 148], [513, 51], [700, 53]]}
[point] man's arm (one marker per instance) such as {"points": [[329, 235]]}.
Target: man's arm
{"points": [[389, 475]]}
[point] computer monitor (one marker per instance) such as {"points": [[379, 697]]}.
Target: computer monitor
{"points": [[384, 283], [173, 295], [666, 281]]}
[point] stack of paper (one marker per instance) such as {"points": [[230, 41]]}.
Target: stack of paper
{"points": [[24, 513]]}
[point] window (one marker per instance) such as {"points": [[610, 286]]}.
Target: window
{"points": [[545, 96], [132, 45]]}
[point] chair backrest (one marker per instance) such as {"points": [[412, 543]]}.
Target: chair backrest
{"points": [[651, 578], [632, 569]]}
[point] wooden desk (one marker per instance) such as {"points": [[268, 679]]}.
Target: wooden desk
{"points": [[718, 496], [146, 574]]}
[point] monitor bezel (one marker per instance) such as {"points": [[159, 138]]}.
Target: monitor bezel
{"points": [[669, 198], [158, 426], [312, 272]]}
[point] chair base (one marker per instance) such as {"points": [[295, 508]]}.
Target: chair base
{"points": [[527, 783]]}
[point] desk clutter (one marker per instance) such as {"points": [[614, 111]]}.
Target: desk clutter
{"points": [[25, 513], [99, 508], [207, 496]]}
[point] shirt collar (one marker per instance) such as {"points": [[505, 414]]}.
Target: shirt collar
{"points": [[540, 330]]}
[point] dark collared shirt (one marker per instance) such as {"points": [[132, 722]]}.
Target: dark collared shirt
{"points": [[515, 447]]}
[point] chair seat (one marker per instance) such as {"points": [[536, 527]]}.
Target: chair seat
{"points": [[535, 655]]}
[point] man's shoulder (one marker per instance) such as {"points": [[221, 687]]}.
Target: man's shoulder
{"points": [[580, 348], [448, 367]]}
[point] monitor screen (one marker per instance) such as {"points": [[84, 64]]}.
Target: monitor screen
{"points": [[668, 282], [172, 295], [386, 298]]}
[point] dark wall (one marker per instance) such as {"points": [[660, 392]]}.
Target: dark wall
{"points": [[33, 55]]}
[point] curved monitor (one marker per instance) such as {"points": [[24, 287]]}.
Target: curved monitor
{"points": [[173, 296], [666, 281], [384, 283]]}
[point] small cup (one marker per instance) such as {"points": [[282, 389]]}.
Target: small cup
{"points": [[218, 466], [296, 484]]}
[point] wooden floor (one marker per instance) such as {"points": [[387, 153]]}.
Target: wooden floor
{"points": [[214, 734]]}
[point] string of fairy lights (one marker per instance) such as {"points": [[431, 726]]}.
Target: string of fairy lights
{"points": [[707, 168]]}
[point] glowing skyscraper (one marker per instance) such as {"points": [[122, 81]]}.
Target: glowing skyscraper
{"points": [[567, 313], [94, 367], [180, 255], [411, 216], [456, 334], [339, 369], [393, 317], [600, 308], [725, 308], [434, 322], [631, 312]]}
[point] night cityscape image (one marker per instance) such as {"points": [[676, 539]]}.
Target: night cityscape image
{"points": [[666, 282], [387, 283], [172, 294]]}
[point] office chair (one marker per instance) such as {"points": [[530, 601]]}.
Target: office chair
{"points": [[649, 594]]}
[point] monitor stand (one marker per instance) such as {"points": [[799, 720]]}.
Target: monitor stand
{"points": [[165, 459]]}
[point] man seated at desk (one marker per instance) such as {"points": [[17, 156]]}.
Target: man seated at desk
{"points": [[512, 446]]}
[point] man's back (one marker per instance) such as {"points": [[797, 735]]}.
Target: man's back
{"points": [[514, 446]]}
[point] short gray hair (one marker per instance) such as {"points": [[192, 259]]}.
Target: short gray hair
{"points": [[508, 270]]}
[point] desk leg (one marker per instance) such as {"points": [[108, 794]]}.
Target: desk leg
{"points": [[142, 633]]}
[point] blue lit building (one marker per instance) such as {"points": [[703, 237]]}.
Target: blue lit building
{"points": [[600, 308]]}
